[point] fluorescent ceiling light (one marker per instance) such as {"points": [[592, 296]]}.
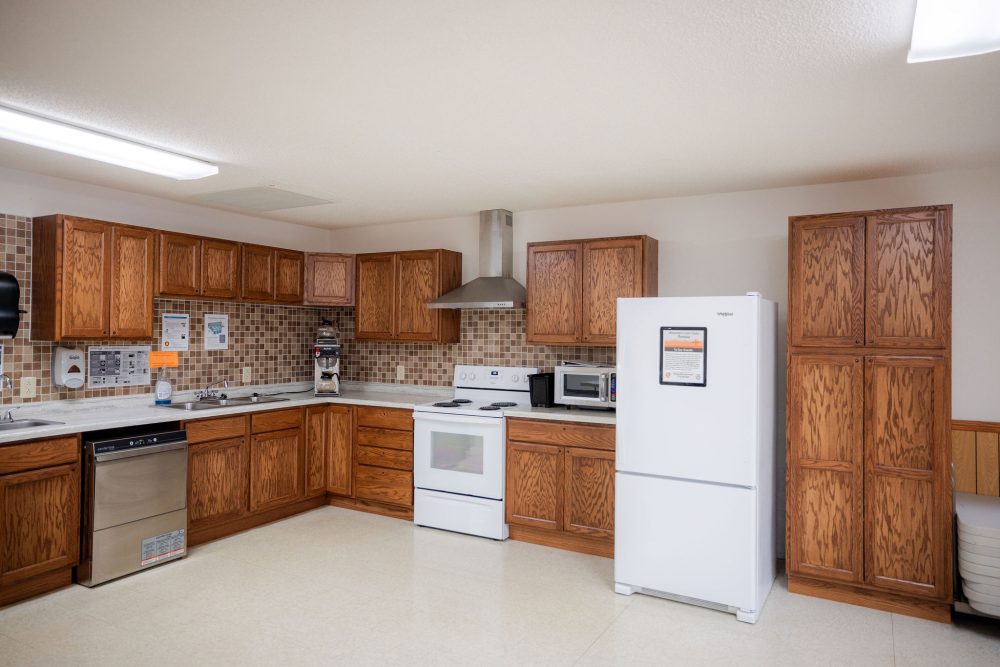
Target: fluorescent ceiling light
{"points": [[954, 28], [56, 136]]}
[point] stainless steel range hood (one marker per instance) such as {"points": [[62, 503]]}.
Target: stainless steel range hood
{"points": [[494, 288]]}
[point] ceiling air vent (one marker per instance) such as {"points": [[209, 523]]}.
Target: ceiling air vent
{"points": [[258, 199]]}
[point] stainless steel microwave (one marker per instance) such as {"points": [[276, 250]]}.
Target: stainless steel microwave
{"points": [[586, 386]]}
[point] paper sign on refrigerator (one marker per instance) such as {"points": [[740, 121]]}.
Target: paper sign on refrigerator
{"points": [[683, 356]]}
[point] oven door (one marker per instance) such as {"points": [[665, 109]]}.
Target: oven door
{"points": [[459, 454]]}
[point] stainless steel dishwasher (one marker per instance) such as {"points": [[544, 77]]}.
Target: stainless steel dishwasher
{"points": [[134, 503]]}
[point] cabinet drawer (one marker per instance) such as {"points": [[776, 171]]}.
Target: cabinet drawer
{"points": [[561, 433], [387, 458], [276, 420], [392, 418], [383, 485], [221, 428], [39, 454], [380, 437]]}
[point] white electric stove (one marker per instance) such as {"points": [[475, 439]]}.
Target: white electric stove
{"points": [[459, 451]]}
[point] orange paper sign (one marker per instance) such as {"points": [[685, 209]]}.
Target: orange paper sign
{"points": [[161, 359]]}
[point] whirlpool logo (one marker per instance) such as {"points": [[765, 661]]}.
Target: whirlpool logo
{"points": [[724, 314]]}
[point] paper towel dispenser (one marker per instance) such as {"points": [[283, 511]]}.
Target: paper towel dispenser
{"points": [[10, 299]]}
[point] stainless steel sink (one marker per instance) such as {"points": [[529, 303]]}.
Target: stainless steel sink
{"points": [[215, 403], [26, 423]]}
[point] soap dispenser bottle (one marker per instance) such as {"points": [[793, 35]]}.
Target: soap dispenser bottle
{"points": [[164, 390]]}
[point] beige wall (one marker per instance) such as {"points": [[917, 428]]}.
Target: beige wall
{"points": [[735, 242], [32, 195]]}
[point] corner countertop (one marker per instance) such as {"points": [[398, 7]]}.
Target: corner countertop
{"points": [[80, 416]]}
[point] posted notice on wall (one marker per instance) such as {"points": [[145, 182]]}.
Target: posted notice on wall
{"points": [[683, 356], [216, 331], [176, 332]]}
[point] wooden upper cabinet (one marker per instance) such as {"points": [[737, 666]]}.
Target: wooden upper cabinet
{"points": [[374, 306], [86, 274], [825, 459], [39, 522], [909, 278], [416, 284], [132, 277], [827, 281], [574, 286], [289, 271], [392, 294], [220, 269], [258, 273], [180, 265], [554, 292], [329, 279], [907, 474]]}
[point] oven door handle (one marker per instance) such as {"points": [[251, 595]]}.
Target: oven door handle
{"points": [[452, 419]]}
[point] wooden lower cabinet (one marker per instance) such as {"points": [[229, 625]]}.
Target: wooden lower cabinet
{"points": [[39, 516], [276, 469], [328, 449], [217, 482], [562, 494]]}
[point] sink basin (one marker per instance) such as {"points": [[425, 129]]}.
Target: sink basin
{"points": [[25, 423], [215, 403]]}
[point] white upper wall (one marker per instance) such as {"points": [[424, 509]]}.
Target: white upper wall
{"points": [[32, 195], [737, 242]]}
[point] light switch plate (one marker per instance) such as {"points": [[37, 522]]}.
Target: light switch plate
{"points": [[247, 374], [28, 387], [400, 372]]}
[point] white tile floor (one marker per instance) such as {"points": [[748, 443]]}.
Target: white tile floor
{"points": [[334, 586]]}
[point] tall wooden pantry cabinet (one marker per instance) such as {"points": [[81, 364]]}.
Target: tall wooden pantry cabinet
{"points": [[869, 496]]}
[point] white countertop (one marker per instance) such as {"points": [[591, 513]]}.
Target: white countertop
{"points": [[79, 416]]}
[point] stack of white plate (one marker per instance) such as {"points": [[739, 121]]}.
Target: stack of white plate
{"points": [[979, 550]]}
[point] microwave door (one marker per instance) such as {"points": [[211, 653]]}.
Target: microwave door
{"points": [[582, 386]]}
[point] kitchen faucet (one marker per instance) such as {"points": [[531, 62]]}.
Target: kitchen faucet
{"points": [[208, 393], [5, 384]]}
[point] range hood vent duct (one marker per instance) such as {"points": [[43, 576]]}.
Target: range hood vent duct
{"points": [[494, 288]]}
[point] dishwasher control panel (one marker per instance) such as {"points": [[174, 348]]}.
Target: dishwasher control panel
{"points": [[133, 442]]}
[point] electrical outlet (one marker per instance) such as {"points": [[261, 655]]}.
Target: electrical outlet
{"points": [[400, 372], [28, 387], [247, 371]]}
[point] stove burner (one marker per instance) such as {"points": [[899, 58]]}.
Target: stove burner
{"points": [[503, 404], [490, 407], [461, 401], [446, 404]]}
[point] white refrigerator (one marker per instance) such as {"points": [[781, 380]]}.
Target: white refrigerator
{"points": [[695, 461]]}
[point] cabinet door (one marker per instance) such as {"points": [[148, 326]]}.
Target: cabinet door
{"points": [[217, 482], [276, 469], [825, 441], [909, 279], [416, 284], [39, 522], [339, 450], [132, 279], [373, 313], [317, 432], [535, 485], [258, 273], [329, 280], [612, 268], [220, 269], [180, 265], [826, 281], [289, 269], [907, 493], [86, 279], [554, 293], [590, 492]]}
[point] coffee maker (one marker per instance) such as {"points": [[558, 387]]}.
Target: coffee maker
{"points": [[326, 353]]}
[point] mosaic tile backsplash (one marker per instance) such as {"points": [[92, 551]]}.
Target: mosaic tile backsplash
{"points": [[276, 341]]}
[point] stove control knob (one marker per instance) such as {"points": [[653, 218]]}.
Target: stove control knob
{"points": [[514, 378], [525, 379], [472, 376], [462, 376]]}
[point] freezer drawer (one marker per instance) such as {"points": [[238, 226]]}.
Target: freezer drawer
{"points": [[686, 539]]}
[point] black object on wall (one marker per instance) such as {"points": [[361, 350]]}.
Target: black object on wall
{"points": [[10, 298]]}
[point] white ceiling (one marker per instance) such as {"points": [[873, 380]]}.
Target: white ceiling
{"points": [[402, 110]]}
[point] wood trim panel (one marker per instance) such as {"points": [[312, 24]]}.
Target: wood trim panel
{"points": [[200, 536], [217, 428], [987, 463], [372, 507], [29, 588], [563, 540], [570, 434], [930, 610], [38, 454]]}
